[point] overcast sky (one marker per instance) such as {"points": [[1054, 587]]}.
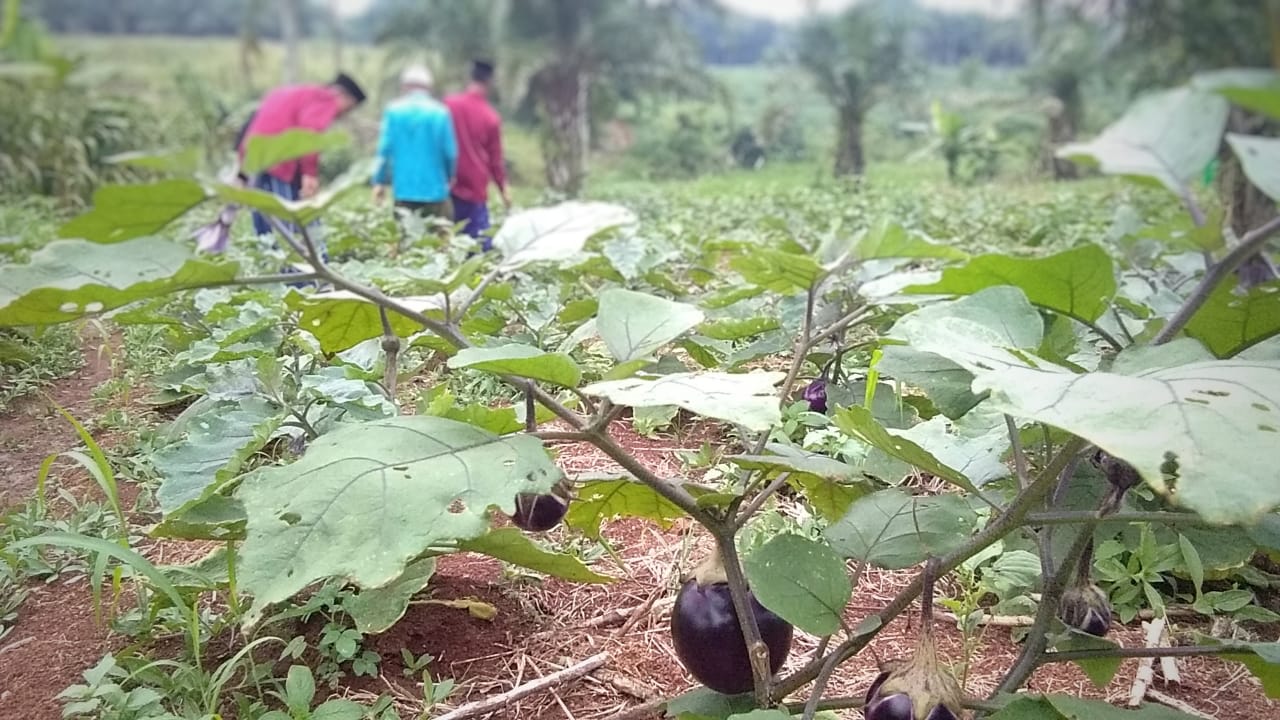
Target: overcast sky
{"points": [[792, 9]]}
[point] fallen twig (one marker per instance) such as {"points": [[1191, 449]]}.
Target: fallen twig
{"points": [[1176, 704], [491, 704]]}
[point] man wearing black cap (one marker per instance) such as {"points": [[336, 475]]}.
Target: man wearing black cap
{"points": [[304, 107]]}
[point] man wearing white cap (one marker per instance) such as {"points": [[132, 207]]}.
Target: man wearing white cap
{"points": [[417, 151]]}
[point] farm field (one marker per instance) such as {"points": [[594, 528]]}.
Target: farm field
{"points": [[955, 435]]}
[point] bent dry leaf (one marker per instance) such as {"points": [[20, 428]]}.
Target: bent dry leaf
{"points": [[1230, 322], [1190, 419], [603, 500], [124, 212], [513, 546], [1165, 138], [1079, 282], [366, 499], [747, 399], [522, 361], [68, 279], [375, 610], [555, 233], [893, 530], [802, 581], [633, 325]]}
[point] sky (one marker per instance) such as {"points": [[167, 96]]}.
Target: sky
{"points": [[793, 9]]}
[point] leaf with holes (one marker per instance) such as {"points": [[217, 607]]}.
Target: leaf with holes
{"points": [[634, 325], [894, 530], [802, 581], [603, 500], [69, 279], [1079, 282], [367, 498], [1230, 323], [1165, 138], [1187, 422], [555, 233], [1260, 157], [746, 399], [522, 361], [510, 545], [124, 212]]}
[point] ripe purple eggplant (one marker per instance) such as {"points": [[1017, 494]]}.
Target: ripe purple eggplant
{"points": [[708, 637], [919, 688], [816, 395], [539, 513]]}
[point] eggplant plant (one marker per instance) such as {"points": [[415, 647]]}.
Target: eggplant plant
{"points": [[999, 375]]}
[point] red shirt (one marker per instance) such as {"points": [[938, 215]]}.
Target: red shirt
{"points": [[309, 107], [479, 132]]}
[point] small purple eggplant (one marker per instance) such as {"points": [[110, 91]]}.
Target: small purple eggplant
{"points": [[816, 394], [539, 513], [1086, 608], [708, 637]]}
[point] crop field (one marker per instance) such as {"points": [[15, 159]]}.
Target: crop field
{"points": [[699, 438]]}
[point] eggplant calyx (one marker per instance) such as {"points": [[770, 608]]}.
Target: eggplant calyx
{"points": [[925, 681], [711, 571]]}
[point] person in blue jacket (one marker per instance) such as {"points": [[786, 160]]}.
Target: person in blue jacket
{"points": [[417, 151]]}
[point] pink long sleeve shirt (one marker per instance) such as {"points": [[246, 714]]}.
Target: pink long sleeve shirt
{"points": [[306, 107]]}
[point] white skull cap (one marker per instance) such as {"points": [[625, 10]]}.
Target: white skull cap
{"points": [[416, 76]]}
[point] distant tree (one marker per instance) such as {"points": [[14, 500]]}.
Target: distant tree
{"points": [[555, 53], [854, 58], [290, 30], [1068, 50]]}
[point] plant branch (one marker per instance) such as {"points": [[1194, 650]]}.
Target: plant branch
{"points": [[1140, 652], [669, 490], [560, 436], [1000, 526], [1019, 456], [1250, 245], [759, 500], [477, 293], [1090, 517], [757, 651], [390, 346]]}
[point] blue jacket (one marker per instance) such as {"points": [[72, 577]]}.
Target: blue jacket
{"points": [[417, 149]]}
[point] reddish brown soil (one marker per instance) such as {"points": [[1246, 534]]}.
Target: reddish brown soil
{"points": [[541, 625]]}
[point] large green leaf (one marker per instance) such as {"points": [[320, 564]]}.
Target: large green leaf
{"points": [[944, 382], [857, 422], [375, 610], [972, 446], [340, 320], [890, 240], [747, 399], [124, 212], [1165, 138], [1066, 707], [705, 704], [1079, 282], [633, 325], [803, 581], [738, 328], [1196, 415], [555, 233], [894, 530], [1256, 89], [522, 361], [1229, 323], [263, 152], [602, 500], [68, 279], [781, 272], [1260, 157], [220, 436], [367, 498], [513, 546]]}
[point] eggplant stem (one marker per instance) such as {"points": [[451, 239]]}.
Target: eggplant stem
{"points": [[757, 651]]}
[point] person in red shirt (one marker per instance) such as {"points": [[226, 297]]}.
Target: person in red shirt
{"points": [[306, 107], [479, 132]]}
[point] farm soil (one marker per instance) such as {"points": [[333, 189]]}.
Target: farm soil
{"points": [[541, 625]]}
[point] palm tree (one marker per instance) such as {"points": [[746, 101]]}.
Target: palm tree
{"points": [[854, 58]]}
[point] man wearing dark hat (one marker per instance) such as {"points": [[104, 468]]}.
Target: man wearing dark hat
{"points": [[479, 131], [302, 107]]}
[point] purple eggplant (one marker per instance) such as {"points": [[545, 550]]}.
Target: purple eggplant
{"points": [[816, 395], [539, 513], [1086, 608], [708, 637]]}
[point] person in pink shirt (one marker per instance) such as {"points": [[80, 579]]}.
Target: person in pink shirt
{"points": [[479, 133], [305, 107]]}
